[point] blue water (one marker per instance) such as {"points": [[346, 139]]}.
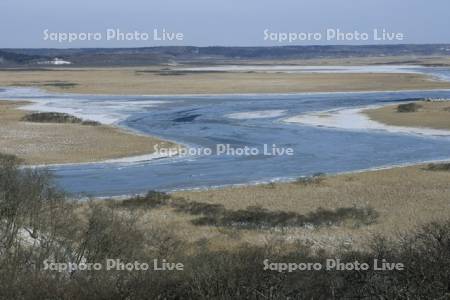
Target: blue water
{"points": [[202, 121]]}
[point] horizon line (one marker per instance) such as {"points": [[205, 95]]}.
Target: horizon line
{"points": [[221, 46]]}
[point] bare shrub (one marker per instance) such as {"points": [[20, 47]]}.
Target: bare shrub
{"points": [[37, 222], [153, 199], [408, 107], [54, 117], [315, 179], [439, 167], [260, 218]]}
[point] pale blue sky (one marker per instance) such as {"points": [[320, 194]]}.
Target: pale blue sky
{"points": [[219, 22]]}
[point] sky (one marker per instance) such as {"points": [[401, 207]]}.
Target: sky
{"points": [[219, 22]]}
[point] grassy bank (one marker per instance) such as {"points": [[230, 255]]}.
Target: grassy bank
{"points": [[51, 138], [426, 114], [325, 214]]}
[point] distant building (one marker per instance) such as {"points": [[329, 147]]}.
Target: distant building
{"points": [[55, 61]]}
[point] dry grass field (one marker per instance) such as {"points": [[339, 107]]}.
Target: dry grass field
{"points": [[404, 198], [430, 114], [152, 81], [50, 143]]}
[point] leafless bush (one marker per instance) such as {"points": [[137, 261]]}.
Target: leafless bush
{"points": [[311, 180], [37, 222], [408, 107], [54, 117], [260, 218], [152, 199], [439, 167]]}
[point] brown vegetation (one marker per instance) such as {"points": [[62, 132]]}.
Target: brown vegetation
{"points": [[426, 114], [52, 138], [38, 224], [53, 117], [253, 217], [149, 81]]}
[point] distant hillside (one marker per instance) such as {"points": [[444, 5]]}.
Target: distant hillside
{"points": [[163, 55], [15, 58]]}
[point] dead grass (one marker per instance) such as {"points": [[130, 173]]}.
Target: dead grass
{"points": [[51, 143], [428, 114], [149, 81], [403, 199], [252, 217]]}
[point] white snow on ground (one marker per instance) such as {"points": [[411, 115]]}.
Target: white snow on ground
{"points": [[257, 114], [105, 112], [83, 113], [118, 161], [354, 119]]}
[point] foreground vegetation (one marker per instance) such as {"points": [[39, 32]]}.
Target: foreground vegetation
{"points": [[252, 217], [39, 223]]}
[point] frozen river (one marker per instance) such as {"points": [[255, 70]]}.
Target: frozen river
{"points": [[237, 121]]}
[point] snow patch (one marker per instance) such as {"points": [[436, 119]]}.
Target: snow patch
{"points": [[355, 119], [257, 114]]}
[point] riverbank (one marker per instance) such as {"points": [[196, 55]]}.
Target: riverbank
{"points": [[432, 119], [157, 81], [401, 198], [62, 143], [426, 114]]}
